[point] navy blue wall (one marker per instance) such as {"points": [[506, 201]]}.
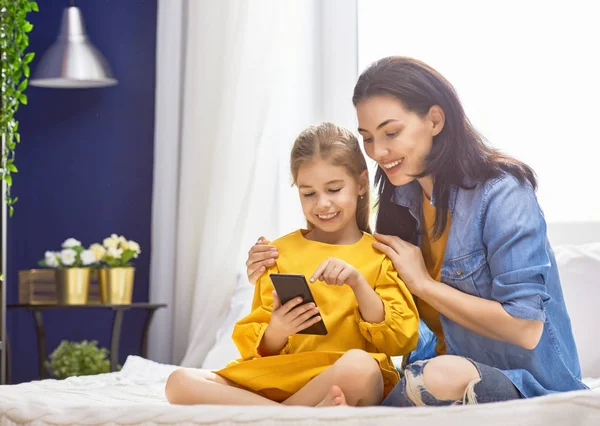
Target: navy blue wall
{"points": [[85, 169]]}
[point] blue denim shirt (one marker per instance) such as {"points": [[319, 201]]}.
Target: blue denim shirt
{"points": [[497, 249]]}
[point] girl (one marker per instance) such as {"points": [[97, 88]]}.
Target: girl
{"points": [[461, 223], [369, 313]]}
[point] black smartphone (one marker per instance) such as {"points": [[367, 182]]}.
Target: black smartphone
{"points": [[289, 286]]}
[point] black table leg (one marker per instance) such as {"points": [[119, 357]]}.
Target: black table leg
{"points": [[144, 349], [7, 363], [8, 360], [114, 339], [41, 338]]}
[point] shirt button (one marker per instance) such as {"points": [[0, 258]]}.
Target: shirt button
{"points": [[459, 272]]}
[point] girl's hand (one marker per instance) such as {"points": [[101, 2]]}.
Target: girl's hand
{"points": [[337, 272], [260, 257], [407, 259], [291, 318]]}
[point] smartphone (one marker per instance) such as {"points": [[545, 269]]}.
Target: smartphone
{"points": [[289, 286]]}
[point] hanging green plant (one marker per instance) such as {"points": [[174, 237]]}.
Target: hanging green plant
{"points": [[14, 40]]}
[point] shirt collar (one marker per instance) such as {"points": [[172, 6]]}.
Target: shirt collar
{"points": [[409, 196]]}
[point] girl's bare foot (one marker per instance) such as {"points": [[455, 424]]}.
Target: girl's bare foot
{"points": [[334, 397]]}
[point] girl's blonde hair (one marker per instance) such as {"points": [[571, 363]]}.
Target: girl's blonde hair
{"points": [[339, 147]]}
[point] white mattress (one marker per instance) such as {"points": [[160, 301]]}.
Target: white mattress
{"points": [[134, 396]]}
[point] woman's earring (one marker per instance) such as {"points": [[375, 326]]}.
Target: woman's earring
{"points": [[362, 197]]}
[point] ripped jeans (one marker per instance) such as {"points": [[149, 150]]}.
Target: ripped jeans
{"points": [[493, 386]]}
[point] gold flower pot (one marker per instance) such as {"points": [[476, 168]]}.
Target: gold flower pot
{"points": [[72, 286], [116, 285]]}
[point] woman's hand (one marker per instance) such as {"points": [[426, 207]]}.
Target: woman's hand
{"points": [[408, 261], [337, 272], [260, 257]]}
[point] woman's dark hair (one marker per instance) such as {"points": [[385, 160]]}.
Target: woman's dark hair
{"points": [[458, 151]]}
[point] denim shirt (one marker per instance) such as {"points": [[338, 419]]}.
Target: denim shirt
{"points": [[497, 249]]}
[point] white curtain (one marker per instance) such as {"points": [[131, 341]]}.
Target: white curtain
{"points": [[237, 80]]}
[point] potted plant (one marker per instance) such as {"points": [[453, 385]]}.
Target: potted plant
{"points": [[78, 359], [116, 272], [72, 267]]}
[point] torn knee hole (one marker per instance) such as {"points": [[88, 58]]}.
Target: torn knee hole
{"points": [[414, 388], [470, 397]]}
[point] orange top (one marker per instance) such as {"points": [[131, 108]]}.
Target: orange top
{"points": [[433, 254]]}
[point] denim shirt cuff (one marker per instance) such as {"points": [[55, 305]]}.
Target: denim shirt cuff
{"points": [[528, 307]]}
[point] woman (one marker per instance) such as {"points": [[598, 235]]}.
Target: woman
{"points": [[461, 223]]}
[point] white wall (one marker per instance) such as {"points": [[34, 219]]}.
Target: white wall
{"points": [[527, 73]]}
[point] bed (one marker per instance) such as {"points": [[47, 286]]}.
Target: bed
{"points": [[135, 395]]}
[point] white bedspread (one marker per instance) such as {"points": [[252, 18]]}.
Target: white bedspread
{"points": [[134, 396]]}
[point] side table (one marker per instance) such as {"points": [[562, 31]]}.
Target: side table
{"points": [[118, 310]]}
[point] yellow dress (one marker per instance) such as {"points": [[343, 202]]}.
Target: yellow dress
{"points": [[305, 356], [433, 255]]}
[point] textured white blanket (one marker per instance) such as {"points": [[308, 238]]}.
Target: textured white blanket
{"points": [[135, 396]]}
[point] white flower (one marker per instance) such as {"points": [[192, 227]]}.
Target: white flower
{"points": [[67, 257], [115, 252], [70, 243], [135, 247], [88, 257], [98, 251], [110, 243], [51, 259]]}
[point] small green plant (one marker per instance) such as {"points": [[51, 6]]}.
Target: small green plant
{"points": [[72, 255], [116, 252], [78, 359]]}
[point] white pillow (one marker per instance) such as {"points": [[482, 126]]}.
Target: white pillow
{"points": [[579, 269], [224, 350]]}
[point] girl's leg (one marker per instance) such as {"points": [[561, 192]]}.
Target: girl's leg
{"points": [[448, 380], [354, 379], [188, 387]]}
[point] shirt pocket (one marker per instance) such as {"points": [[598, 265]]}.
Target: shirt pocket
{"points": [[468, 273]]}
